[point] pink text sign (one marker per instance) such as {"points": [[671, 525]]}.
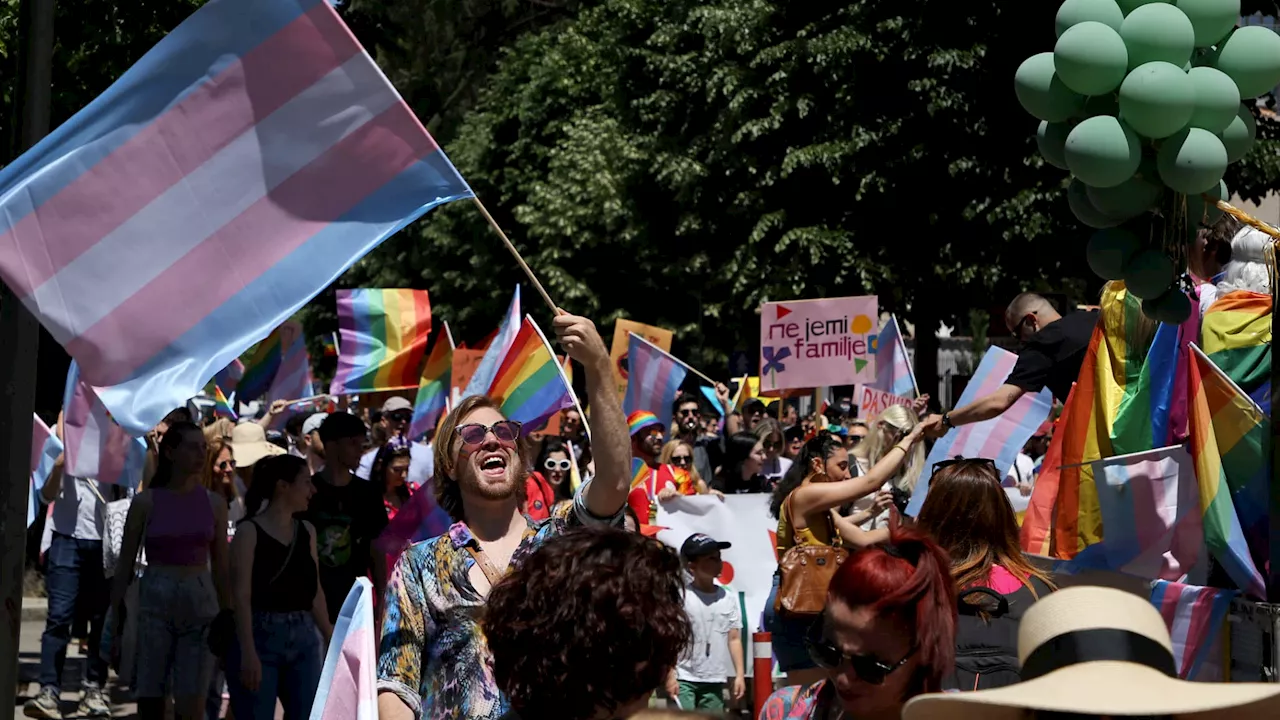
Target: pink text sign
{"points": [[817, 343], [872, 402]]}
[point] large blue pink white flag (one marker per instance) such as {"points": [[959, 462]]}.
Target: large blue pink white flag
{"points": [[1150, 504], [1001, 438], [97, 448], [1197, 621], [45, 449], [893, 364], [653, 379], [497, 350], [237, 169], [348, 687]]}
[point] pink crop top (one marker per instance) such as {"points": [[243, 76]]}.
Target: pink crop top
{"points": [[180, 527]]}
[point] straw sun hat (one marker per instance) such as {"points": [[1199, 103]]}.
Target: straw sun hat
{"points": [[249, 444], [1099, 651]]}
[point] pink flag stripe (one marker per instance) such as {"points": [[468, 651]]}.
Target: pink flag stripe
{"points": [[191, 132], [1013, 419], [297, 209], [966, 441], [1196, 631]]}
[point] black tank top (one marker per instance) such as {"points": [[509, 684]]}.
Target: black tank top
{"points": [[294, 587]]}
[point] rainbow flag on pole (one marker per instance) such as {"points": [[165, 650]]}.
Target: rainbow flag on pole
{"points": [[654, 378], [260, 371], [1000, 438], [384, 339], [1230, 441], [529, 383], [893, 364], [221, 407], [45, 449], [257, 131], [435, 385], [97, 448], [329, 345], [1236, 335], [1197, 620]]}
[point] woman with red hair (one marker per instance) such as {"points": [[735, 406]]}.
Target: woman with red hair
{"points": [[887, 634]]}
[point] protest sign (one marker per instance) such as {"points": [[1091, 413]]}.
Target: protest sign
{"points": [[660, 337], [817, 343], [465, 362], [872, 402]]}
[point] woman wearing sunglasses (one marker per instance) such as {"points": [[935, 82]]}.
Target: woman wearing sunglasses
{"points": [[434, 662], [889, 428], [548, 484], [679, 454], [220, 478], [887, 635]]}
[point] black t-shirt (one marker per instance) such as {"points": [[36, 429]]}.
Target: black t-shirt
{"points": [[1052, 357], [347, 520]]}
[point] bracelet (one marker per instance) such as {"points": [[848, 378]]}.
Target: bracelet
{"points": [[899, 447]]}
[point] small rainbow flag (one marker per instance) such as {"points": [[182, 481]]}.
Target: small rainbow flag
{"points": [[384, 339], [330, 345], [1236, 335], [529, 383], [1230, 444], [262, 367], [222, 408], [435, 386]]}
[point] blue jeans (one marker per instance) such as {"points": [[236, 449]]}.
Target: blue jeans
{"points": [[288, 647], [788, 635], [74, 580]]}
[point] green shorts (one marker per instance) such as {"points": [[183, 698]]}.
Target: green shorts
{"points": [[701, 696]]}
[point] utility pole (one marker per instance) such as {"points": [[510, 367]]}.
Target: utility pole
{"points": [[21, 336]]}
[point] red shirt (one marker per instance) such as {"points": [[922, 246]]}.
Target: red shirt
{"points": [[647, 482], [540, 497]]}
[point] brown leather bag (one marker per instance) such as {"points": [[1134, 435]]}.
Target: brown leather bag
{"points": [[806, 573]]}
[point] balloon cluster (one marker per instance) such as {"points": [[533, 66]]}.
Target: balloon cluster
{"points": [[1141, 101]]}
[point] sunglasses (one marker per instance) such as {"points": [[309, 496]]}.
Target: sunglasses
{"points": [[399, 416], [958, 460], [868, 668], [561, 465], [505, 431], [855, 439], [681, 460], [227, 465], [688, 413]]}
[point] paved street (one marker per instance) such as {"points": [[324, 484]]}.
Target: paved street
{"points": [[29, 657]]}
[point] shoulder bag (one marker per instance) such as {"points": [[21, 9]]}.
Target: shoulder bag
{"points": [[806, 572]]}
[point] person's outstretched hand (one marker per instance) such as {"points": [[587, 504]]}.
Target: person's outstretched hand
{"points": [[932, 426], [921, 405], [580, 339]]}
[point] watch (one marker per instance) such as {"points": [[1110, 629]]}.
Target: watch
{"points": [[946, 421]]}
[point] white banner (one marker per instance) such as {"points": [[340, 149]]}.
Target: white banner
{"points": [[872, 402]]}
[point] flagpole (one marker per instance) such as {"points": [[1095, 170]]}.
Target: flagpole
{"points": [[911, 373], [675, 359], [568, 385], [516, 254], [1117, 458]]}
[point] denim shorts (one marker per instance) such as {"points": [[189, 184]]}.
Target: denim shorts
{"points": [[175, 608], [788, 635]]}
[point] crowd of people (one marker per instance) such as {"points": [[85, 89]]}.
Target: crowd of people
{"points": [[548, 596]]}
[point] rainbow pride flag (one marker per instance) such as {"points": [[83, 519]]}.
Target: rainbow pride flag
{"points": [[435, 385], [384, 339], [222, 408], [329, 345], [262, 367], [529, 382], [1197, 620], [1230, 442], [1236, 335]]}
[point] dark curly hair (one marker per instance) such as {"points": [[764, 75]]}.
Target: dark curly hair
{"points": [[821, 446], [602, 609]]}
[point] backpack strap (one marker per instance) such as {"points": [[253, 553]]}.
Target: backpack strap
{"points": [[968, 608]]}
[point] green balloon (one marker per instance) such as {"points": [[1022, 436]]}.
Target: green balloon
{"points": [[1211, 19], [1201, 213], [1148, 274], [1239, 136], [1158, 32], [1251, 57], [1217, 99], [1100, 105], [1128, 6], [1091, 58], [1051, 138], [1074, 12], [1108, 251], [1157, 100], [1042, 93], [1084, 210], [1125, 201], [1171, 308], [1102, 152], [1192, 162]]}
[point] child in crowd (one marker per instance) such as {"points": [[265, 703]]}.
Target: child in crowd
{"points": [[716, 650]]}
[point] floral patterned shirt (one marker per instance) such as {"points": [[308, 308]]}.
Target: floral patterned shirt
{"points": [[433, 654], [796, 703]]}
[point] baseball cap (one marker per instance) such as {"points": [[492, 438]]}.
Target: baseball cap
{"points": [[313, 423], [395, 403], [698, 545], [641, 419]]}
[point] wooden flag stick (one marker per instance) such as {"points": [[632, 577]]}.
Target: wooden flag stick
{"points": [[306, 399], [516, 254]]}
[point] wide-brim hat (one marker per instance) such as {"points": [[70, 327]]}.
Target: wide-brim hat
{"points": [[1099, 651], [249, 444]]}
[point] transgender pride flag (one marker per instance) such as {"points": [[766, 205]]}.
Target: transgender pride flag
{"points": [[45, 449], [653, 380], [293, 379], [1001, 438], [482, 379], [348, 683], [893, 366], [1196, 618], [238, 168], [96, 447]]}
